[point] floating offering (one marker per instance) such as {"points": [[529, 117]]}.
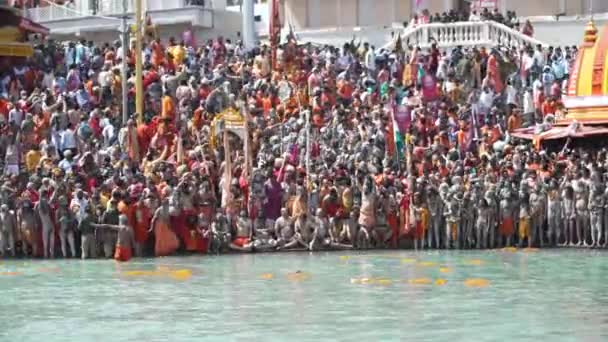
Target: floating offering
{"points": [[445, 270], [141, 273], [476, 282], [474, 262], [408, 261], [11, 273], [420, 281], [530, 250], [344, 257], [440, 282], [427, 264], [298, 276], [184, 274], [372, 281], [267, 276], [384, 282], [510, 249]]}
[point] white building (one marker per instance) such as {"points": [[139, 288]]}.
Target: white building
{"points": [[99, 20], [323, 21]]}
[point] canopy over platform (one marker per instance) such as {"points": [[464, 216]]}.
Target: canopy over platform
{"points": [[14, 31], [587, 95], [575, 130]]}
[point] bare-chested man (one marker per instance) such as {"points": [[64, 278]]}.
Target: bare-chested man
{"points": [[28, 228], [88, 243], [596, 211], [263, 231], [220, 234], [304, 230], [108, 236], [321, 235], [66, 221], [350, 229], [8, 225], [286, 235], [43, 210], [244, 232]]}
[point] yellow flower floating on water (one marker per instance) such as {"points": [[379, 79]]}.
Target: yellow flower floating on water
{"points": [[408, 261], [161, 271], [344, 257], [420, 281], [141, 273], [510, 249], [372, 281], [474, 262], [427, 264], [298, 276], [267, 276], [383, 281], [477, 282], [440, 282], [181, 274], [445, 270]]}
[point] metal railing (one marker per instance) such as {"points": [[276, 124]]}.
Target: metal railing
{"points": [[470, 33]]}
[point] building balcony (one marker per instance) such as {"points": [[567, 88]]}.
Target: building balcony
{"points": [[102, 15]]}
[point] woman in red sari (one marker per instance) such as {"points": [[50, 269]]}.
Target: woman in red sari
{"points": [[493, 72]]}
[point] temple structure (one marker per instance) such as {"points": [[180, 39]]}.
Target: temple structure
{"points": [[586, 99], [15, 31]]}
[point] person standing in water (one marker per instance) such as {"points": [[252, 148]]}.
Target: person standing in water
{"points": [[125, 240]]}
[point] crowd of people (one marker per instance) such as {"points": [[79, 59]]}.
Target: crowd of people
{"points": [[340, 148], [510, 19]]}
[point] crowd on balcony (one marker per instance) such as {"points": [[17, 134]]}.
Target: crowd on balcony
{"points": [[510, 19], [318, 148]]}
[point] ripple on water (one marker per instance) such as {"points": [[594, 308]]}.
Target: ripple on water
{"points": [[90, 301]]}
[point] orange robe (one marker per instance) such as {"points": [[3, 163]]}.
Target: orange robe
{"points": [[166, 242], [168, 108], [494, 74]]}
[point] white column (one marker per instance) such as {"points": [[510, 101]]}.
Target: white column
{"points": [[314, 13], [503, 6], [395, 13], [221, 4], [247, 16], [562, 6], [338, 11], [447, 5]]}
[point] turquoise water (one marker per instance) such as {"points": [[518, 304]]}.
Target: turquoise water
{"points": [[552, 295]]}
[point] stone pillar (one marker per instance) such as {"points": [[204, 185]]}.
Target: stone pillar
{"points": [[504, 6], [247, 15]]}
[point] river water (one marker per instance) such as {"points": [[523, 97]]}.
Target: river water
{"points": [[552, 295]]}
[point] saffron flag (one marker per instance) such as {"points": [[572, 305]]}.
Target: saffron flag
{"points": [[274, 31]]}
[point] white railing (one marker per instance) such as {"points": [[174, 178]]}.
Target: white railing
{"points": [[446, 35], [83, 8]]}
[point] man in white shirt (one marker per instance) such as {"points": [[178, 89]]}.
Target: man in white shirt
{"points": [[370, 60], [68, 139], [15, 115]]}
